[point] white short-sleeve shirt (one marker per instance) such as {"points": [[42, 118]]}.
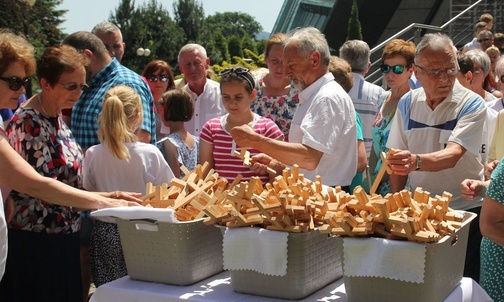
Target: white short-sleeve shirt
{"points": [[104, 172], [325, 121], [207, 105]]}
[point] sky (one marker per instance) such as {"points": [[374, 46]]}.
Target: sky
{"points": [[84, 15]]}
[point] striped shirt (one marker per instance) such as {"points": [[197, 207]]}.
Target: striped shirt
{"points": [[367, 99], [225, 162], [84, 124], [459, 118]]}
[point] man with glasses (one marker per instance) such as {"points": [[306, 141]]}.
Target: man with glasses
{"points": [[366, 97], [436, 135], [104, 73], [194, 63]]}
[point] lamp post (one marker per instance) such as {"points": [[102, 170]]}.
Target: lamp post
{"points": [[143, 52]]}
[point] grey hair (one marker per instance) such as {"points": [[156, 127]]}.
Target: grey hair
{"points": [[106, 27], [356, 53], [437, 42], [499, 67], [480, 57], [192, 47], [309, 40]]}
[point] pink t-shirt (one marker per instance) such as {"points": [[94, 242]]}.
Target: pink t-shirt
{"points": [[226, 163]]}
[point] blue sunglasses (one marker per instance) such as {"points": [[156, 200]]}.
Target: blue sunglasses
{"points": [[397, 69]]}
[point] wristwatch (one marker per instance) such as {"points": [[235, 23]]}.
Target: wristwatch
{"points": [[418, 162]]}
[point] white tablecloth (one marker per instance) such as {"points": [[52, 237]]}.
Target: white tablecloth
{"points": [[219, 288]]}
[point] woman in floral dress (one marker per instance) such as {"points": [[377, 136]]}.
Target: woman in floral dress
{"points": [[44, 237], [276, 98]]}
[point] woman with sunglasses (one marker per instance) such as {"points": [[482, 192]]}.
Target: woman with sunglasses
{"points": [[397, 63], [40, 136], [216, 143], [16, 65], [159, 77]]}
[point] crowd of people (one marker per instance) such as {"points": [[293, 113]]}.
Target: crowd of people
{"points": [[98, 126]]}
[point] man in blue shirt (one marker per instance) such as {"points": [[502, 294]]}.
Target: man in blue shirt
{"points": [[105, 72]]}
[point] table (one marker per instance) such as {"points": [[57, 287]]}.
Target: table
{"points": [[219, 288]]}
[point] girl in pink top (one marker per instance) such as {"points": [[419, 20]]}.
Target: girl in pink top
{"points": [[216, 144]]}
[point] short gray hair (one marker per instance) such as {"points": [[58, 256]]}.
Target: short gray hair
{"points": [[106, 28], [309, 40], [437, 42], [356, 53], [481, 58], [192, 47]]}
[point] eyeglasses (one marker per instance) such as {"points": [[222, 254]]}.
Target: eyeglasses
{"points": [[241, 72], [15, 83], [484, 40], [397, 69], [436, 73], [73, 86], [162, 78]]}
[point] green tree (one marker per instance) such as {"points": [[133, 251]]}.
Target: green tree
{"points": [[354, 25], [39, 23], [220, 52], [190, 16], [235, 46], [248, 43], [261, 45], [122, 18], [233, 23], [256, 60], [149, 26]]}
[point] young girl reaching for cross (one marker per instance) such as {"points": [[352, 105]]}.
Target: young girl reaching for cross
{"points": [[216, 144]]}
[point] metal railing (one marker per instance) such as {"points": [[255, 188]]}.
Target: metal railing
{"points": [[418, 28]]}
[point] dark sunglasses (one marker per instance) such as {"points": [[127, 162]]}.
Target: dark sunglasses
{"points": [[162, 78], [484, 40], [397, 69], [15, 83], [241, 72], [73, 86]]}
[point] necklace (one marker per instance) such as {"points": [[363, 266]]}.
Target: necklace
{"points": [[41, 106]]}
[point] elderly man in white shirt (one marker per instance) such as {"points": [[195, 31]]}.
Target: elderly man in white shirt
{"points": [[193, 62], [322, 137]]}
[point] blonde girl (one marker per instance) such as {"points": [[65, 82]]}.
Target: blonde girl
{"points": [[120, 161]]}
